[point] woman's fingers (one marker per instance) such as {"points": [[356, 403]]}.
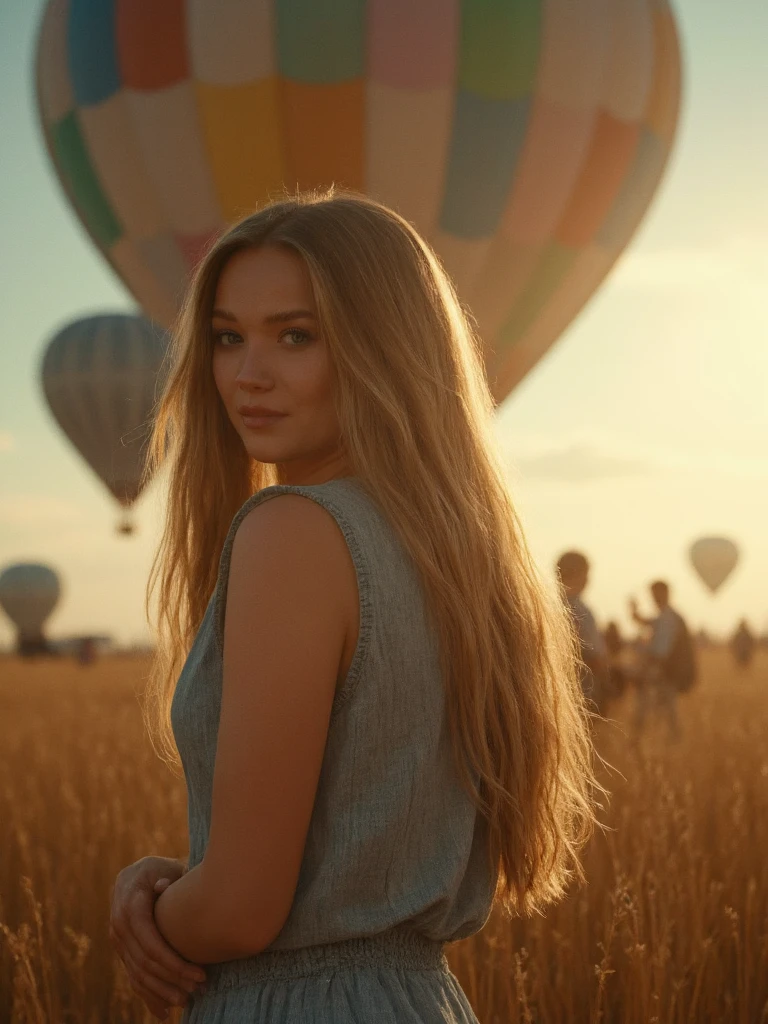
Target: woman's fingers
{"points": [[146, 962], [128, 946], [148, 984], [130, 950], [146, 943], [156, 1006], [164, 957]]}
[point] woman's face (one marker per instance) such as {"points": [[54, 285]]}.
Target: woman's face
{"points": [[267, 351]]}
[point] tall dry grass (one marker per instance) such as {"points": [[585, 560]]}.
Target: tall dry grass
{"points": [[673, 926]]}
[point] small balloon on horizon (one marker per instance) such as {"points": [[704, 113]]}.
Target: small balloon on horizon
{"points": [[714, 559], [29, 592]]}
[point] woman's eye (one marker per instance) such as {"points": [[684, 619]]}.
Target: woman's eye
{"points": [[297, 334], [220, 335]]}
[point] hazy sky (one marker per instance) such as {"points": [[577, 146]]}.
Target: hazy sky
{"points": [[645, 427]]}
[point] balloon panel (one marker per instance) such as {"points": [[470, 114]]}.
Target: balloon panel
{"points": [[511, 121], [499, 48], [605, 165], [406, 127], [99, 376], [320, 44], [629, 78], [28, 594], [662, 110], [413, 46], [488, 136], [323, 137], [230, 43], [87, 193], [258, 169], [150, 44]]}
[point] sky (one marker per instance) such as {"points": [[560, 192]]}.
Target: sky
{"points": [[643, 428]]}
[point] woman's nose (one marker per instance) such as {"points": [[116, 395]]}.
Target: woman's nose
{"points": [[254, 367]]}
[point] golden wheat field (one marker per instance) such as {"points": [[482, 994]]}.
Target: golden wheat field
{"points": [[672, 926]]}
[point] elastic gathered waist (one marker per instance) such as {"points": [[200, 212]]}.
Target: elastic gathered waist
{"points": [[400, 947]]}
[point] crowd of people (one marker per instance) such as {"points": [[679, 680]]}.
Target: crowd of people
{"points": [[659, 664]]}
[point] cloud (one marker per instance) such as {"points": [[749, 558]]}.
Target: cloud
{"points": [[7, 441], [586, 457], [738, 263], [581, 462]]}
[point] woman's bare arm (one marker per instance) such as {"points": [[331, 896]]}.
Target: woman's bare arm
{"points": [[290, 583]]}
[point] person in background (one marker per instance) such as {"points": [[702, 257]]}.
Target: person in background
{"points": [[86, 651], [573, 570], [615, 648], [743, 645], [703, 639], [669, 665]]}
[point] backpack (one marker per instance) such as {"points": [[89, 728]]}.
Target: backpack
{"points": [[680, 665]]}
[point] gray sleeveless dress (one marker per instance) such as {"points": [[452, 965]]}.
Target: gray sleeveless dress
{"points": [[395, 862]]}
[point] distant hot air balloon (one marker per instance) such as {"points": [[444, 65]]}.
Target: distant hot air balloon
{"points": [[524, 140], [28, 594], [714, 559], [99, 376]]}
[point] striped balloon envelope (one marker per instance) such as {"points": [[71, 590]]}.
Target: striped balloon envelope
{"points": [[523, 138], [98, 375]]}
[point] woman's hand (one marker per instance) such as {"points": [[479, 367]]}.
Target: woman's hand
{"points": [[155, 970]]}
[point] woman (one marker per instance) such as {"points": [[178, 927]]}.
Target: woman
{"points": [[379, 715]]}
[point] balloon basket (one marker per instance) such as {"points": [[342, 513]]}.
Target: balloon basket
{"points": [[125, 527]]}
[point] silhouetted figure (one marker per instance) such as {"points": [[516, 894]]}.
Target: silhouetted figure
{"points": [[573, 570], [614, 642], [669, 664], [86, 651], [617, 674], [743, 645], [703, 639]]}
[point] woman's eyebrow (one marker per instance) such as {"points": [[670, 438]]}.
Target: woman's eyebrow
{"points": [[289, 314], [273, 318]]}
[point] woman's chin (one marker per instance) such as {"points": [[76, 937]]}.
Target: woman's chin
{"points": [[263, 453]]}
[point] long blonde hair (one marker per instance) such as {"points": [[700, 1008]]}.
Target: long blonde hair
{"points": [[416, 419]]}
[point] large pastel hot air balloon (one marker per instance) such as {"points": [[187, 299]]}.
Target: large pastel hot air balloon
{"points": [[99, 377], [714, 559], [28, 594], [525, 140]]}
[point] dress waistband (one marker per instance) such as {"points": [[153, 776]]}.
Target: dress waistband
{"points": [[399, 947]]}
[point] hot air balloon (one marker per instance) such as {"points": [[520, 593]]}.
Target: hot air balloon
{"points": [[523, 140], [28, 594], [98, 375], [714, 559]]}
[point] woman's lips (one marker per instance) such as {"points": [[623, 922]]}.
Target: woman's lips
{"points": [[261, 420]]}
